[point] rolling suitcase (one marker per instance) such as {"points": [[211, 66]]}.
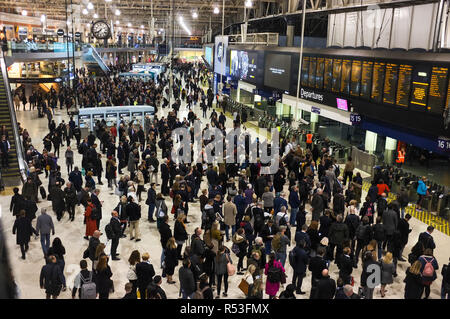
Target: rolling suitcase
{"points": [[43, 193]]}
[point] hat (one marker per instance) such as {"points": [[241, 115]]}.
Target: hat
{"points": [[324, 241]]}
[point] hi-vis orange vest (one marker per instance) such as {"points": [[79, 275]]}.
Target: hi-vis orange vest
{"points": [[309, 138], [401, 157]]}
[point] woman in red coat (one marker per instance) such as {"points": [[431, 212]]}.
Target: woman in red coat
{"points": [[91, 224]]}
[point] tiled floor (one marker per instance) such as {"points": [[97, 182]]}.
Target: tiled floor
{"points": [[27, 271]]}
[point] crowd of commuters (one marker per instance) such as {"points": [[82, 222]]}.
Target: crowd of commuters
{"points": [[245, 214]]}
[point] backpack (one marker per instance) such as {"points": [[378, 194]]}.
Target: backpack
{"points": [[274, 274], [292, 255], [88, 289], [428, 270], [282, 221], [109, 232], [337, 170], [95, 214], [198, 294]]}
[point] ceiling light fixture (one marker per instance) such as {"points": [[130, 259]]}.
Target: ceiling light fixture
{"points": [[117, 12], [90, 6], [43, 17], [117, 22], [85, 11], [183, 25], [142, 26], [248, 3], [24, 12], [95, 16], [195, 15], [129, 24], [216, 10]]}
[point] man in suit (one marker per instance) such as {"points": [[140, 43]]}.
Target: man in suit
{"points": [[403, 228], [144, 273], [267, 233], [326, 287], [302, 235], [117, 233], [426, 239], [316, 265], [98, 205], [94, 241]]}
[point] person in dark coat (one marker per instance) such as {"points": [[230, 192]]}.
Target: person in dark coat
{"points": [[180, 234], [345, 265], [144, 273], [187, 281], [299, 266], [325, 224], [413, 281], [326, 286], [338, 234], [22, 226], [58, 204], [76, 178], [317, 205], [51, 278], [17, 201], [426, 239], [117, 234], [316, 265], [170, 259], [70, 197], [403, 228], [103, 276]]}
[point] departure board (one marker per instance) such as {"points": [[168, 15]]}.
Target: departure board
{"points": [[419, 93], [390, 83], [327, 75], [345, 76], [312, 72], [355, 81], [377, 81], [305, 66], [319, 73], [336, 81], [437, 89], [448, 97], [404, 85], [366, 79]]}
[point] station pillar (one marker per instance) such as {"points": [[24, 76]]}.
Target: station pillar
{"points": [[390, 150], [314, 122], [371, 142]]}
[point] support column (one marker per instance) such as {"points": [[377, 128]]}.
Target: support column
{"points": [[290, 32], [390, 150], [371, 142], [314, 122]]}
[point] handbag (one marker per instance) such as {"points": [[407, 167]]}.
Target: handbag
{"points": [[231, 269], [244, 286]]}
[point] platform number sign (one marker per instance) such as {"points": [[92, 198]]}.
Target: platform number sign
{"points": [[444, 144], [355, 118]]}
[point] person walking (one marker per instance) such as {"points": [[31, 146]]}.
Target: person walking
{"points": [[51, 278], [170, 259], [116, 234], [445, 288], [230, 213], [22, 226], [91, 224], [387, 272], [44, 225], [134, 259], [422, 191], [413, 281], [428, 270], [180, 234], [69, 159], [151, 202]]}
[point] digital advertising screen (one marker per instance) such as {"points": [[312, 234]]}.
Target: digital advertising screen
{"points": [[244, 65], [277, 71], [342, 104], [220, 55], [209, 55], [420, 87]]}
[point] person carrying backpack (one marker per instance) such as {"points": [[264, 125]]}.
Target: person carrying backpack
{"points": [[298, 258], [275, 276], [445, 289], [204, 290], [428, 270], [84, 283], [363, 237]]}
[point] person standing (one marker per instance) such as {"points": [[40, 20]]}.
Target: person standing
{"points": [[134, 215], [103, 276], [91, 224], [5, 146], [98, 205], [445, 288], [51, 278], [44, 224], [144, 273], [170, 259], [274, 271], [22, 226], [220, 266], [348, 170], [422, 191], [230, 213], [94, 241], [338, 234], [151, 202], [70, 195], [116, 234], [387, 272], [413, 281], [428, 270], [180, 233], [187, 281], [403, 228]]}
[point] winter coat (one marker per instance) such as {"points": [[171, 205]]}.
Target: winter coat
{"points": [[273, 287], [229, 213], [91, 224], [413, 285], [221, 262], [338, 233], [390, 221], [387, 271], [22, 226]]}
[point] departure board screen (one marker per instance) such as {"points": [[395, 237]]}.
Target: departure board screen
{"points": [[448, 97], [377, 81], [319, 73], [404, 85], [419, 93], [312, 72], [355, 82], [336, 81], [345, 76], [305, 66], [327, 76], [437, 89], [390, 83], [366, 79]]}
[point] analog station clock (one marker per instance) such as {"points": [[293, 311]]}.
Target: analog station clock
{"points": [[101, 30]]}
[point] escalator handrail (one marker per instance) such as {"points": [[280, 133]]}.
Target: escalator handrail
{"points": [[97, 57], [19, 146]]}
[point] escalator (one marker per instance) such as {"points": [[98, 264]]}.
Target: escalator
{"points": [[94, 61], [15, 173]]}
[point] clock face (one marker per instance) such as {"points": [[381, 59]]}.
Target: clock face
{"points": [[100, 30]]}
